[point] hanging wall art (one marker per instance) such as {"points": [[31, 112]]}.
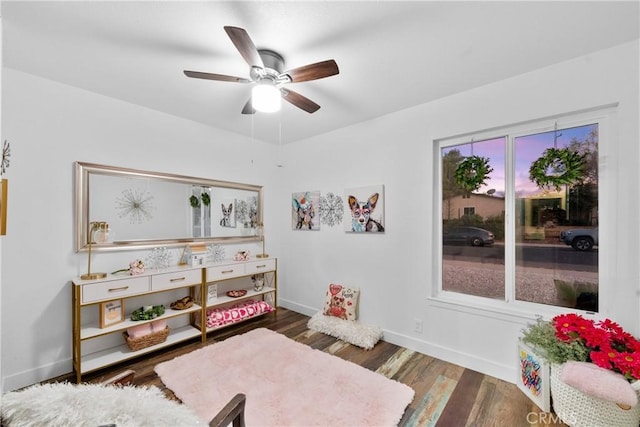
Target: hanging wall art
{"points": [[304, 210], [364, 209], [331, 209]]}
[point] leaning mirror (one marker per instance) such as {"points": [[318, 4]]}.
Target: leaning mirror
{"points": [[124, 208]]}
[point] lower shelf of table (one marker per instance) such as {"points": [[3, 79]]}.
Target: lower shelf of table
{"points": [[109, 356], [244, 319]]}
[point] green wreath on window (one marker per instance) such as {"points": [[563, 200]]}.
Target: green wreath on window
{"points": [[472, 173], [557, 167]]}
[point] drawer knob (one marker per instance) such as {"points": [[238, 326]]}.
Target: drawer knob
{"points": [[177, 279], [123, 288], [261, 266], [226, 271]]}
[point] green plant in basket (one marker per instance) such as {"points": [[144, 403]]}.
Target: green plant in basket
{"points": [[147, 313]]}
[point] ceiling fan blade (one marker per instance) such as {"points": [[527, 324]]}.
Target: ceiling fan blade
{"points": [[299, 101], [211, 76], [248, 108], [245, 46], [316, 71]]}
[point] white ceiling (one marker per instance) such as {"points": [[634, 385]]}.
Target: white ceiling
{"points": [[392, 55]]}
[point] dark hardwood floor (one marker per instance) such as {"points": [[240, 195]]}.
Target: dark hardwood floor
{"points": [[446, 394]]}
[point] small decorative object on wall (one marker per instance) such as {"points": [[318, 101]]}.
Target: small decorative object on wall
{"points": [[6, 153], [111, 312], [305, 210], [227, 218], [135, 267], [135, 203], [4, 164], [365, 208], [533, 376], [215, 253], [472, 173], [557, 167], [242, 256], [331, 209]]}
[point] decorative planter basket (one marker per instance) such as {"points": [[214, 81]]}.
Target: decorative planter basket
{"points": [[577, 409], [154, 338]]}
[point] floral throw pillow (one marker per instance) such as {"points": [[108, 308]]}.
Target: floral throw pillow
{"points": [[341, 302]]}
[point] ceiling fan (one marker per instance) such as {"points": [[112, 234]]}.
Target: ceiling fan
{"points": [[266, 72]]}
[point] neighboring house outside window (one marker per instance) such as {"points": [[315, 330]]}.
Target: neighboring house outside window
{"points": [[469, 210]]}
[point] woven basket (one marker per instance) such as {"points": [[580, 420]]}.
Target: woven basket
{"points": [[577, 409], [154, 338]]}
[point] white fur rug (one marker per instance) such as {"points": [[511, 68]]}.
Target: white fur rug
{"points": [[92, 405], [353, 332]]}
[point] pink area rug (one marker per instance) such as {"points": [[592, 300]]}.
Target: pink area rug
{"points": [[287, 384]]}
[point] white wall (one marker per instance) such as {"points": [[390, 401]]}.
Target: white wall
{"points": [[50, 126], [394, 270]]}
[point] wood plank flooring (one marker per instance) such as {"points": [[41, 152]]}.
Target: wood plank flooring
{"points": [[446, 394]]}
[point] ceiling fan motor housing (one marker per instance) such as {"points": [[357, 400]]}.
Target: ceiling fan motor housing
{"points": [[272, 60]]}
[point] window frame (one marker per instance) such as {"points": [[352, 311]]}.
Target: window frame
{"points": [[607, 182]]}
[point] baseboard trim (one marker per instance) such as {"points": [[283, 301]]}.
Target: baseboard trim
{"points": [[36, 375]]}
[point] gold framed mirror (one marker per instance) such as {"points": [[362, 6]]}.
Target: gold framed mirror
{"points": [[146, 209]]}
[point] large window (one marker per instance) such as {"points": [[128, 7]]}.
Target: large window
{"points": [[520, 215]]}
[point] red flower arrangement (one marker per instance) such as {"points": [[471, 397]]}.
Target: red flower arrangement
{"points": [[609, 346]]}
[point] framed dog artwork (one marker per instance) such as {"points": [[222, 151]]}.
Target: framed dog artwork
{"points": [[364, 209]]}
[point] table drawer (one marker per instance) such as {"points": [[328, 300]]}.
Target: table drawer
{"points": [[114, 289], [224, 272], [261, 266], [177, 279]]}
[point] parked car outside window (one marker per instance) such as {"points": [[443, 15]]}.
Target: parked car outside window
{"points": [[580, 239], [473, 236]]}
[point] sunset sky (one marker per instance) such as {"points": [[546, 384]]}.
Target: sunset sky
{"points": [[528, 149]]}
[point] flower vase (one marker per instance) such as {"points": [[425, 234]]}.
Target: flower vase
{"points": [[577, 409]]}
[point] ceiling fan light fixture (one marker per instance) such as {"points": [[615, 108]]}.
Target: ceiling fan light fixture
{"points": [[265, 97]]}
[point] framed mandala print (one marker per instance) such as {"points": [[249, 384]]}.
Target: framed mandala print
{"points": [[331, 209]]}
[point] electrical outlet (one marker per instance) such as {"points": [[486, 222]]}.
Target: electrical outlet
{"points": [[417, 325]]}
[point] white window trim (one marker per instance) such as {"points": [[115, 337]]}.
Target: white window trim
{"points": [[607, 183]]}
